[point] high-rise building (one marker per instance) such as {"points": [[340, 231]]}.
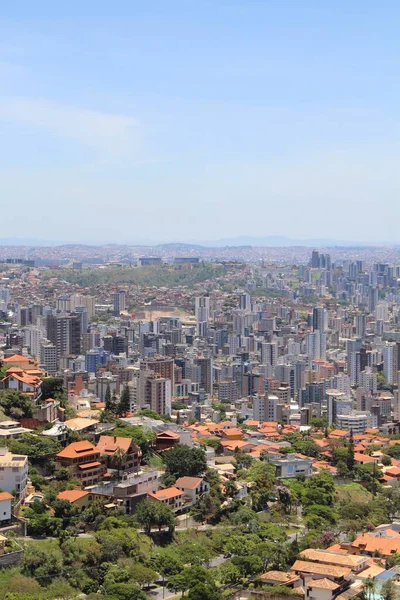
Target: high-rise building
{"points": [[119, 302], [202, 313], [269, 353], [206, 373], [245, 302], [360, 322], [315, 259], [316, 345], [161, 366], [64, 331], [337, 404], [48, 357], [265, 408], [389, 362], [319, 319], [80, 300], [369, 380], [83, 313]]}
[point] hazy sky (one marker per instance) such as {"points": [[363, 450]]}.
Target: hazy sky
{"points": [[201, 119]]}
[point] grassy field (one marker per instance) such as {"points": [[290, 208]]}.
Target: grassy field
{"points": [[353, 492], [166, 275]]}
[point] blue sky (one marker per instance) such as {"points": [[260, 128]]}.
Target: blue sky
{"points": [[201, 119]]}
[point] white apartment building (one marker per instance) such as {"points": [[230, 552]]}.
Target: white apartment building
{"points": [[48, 357], [369, 380], [357, 422], [13, 473], [388, 362]]}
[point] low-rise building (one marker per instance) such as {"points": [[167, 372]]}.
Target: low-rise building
{"points": [[83, 460], [11, 430], [120, 453], [291, 466], [5, 507], [13, 473], [192, 488], [170, 496]]}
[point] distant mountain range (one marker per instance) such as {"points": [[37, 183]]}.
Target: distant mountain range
{"points": [[278, 241], [271, 241]]}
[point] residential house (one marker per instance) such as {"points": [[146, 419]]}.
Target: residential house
{"points": [[322, 589], [287, 579], [136, 488], [309, 572], [166, 439], [170, 496], [5, 507], [354, 562], [120, 453], [10, 430], [13, 473], [373, 545], [192, 488], [20, 381], [291, 465], [83, 459], [81, 425], [79, 498]]}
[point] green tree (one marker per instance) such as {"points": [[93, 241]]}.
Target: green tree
{"points": [[229, 573], [350, 452], [320, 489], [40, 563], [388, 590], [143, 575], [44, 525], [124, 405], [318, 422], [107, 399], [52, 387], [183, 461], [16, 405], [167, 563], [152, 513], [262, 476]]}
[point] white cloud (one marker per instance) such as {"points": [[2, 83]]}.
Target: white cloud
{"points": [[110, 133]]}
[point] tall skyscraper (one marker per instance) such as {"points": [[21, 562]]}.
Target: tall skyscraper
{"points": [[119, 300], [202, 313], [389, 362], [64, 331], [319, 319], [316, 345], [161, 366]]}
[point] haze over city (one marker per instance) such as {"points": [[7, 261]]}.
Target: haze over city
{"points": [[198, 121]]}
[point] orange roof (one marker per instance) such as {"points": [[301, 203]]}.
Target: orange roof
{"points": [[281, 577], [72, 495], [169, 434], [333, 558], [339, 433], [230, 433], [371, 543], [304, 566], [168, 493], [363, 458], [189, 483], [90, 465], [6, 496], [323, 584], [17, 358], [77, 449], [253, 423], [109, 444]]}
